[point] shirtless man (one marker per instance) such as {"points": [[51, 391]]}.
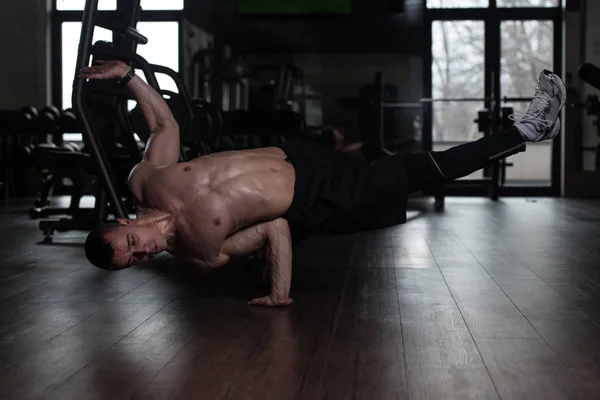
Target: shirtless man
{"points": [[216, 207]]}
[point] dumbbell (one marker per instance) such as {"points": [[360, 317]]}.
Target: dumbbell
{"points": [[26, 118], [27, 150], [591, 105], [47, 120], [67, 122], [207, 122], [71, 147]]}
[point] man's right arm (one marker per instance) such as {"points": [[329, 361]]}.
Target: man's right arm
{"points": [[275, 238], [163, 146]]}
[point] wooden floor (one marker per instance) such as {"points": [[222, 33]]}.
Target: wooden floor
{"points": [[487, 301]]}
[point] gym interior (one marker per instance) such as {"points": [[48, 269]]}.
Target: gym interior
{"points": [[490, 290]]}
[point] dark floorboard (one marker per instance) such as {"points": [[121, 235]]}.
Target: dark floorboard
{"points": [[485, 301]]}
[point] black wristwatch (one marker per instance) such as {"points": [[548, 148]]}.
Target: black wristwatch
{"points": [[125, 80]]}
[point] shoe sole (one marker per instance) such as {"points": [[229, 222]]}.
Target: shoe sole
{"points": [[563, 91], [561, 84]]}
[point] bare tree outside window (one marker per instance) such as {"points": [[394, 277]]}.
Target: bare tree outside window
{"points": [[485, 3], [64, 5], [527, 48], [71, 32], [527, 3], [458, 50], [103, 5], [457, 3]]}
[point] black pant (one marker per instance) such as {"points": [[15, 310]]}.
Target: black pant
{"points": [[336, 193], [433, 168]]}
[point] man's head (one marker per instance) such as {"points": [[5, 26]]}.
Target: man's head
{"points": [[123, 244]]}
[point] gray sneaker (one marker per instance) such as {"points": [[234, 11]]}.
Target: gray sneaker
{"points": [[541, 121]]}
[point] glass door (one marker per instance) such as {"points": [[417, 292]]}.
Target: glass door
{"points": [[526, 48], [457, 73], [484, 49]]}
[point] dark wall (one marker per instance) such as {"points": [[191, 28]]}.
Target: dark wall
{"points": [[391, 35], [24, 45], [375, 26], [330, 78], [214, 16]]}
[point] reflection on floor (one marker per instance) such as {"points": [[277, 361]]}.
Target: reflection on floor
{"points": [[487, 300]]}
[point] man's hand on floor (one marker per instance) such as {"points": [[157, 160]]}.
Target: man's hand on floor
{"points": [[271, 301]]}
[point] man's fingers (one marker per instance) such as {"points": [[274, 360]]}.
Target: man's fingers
{"points": [[263, 301], [268, 301], [285, 303], [93, 72]]}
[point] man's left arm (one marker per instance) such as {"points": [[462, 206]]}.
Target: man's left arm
{"points": [[163, 146], [274, 236]]}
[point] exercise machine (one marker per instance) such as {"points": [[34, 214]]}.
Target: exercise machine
{"points": [[101, 110]]}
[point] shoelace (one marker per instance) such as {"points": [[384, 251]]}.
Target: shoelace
{"points": [[541, 100]]}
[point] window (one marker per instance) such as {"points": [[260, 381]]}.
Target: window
{"points": [[162, 48], [485, 3], [162, 4], [528, 3], [527, 48], [71, 32], [457, 72], [78, 5], [457, 3]]}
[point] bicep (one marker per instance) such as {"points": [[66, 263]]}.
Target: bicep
{"points": [[253, 238], [163, 145], [245, 241]]}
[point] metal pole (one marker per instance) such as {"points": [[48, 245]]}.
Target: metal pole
{"points": [[378, 99], [494, 108], [80, 108]]}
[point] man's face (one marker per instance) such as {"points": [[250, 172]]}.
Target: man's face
{"points": [[135, 241]]}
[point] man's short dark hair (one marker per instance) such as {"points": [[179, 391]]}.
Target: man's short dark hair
{"points": [[98, 250]]}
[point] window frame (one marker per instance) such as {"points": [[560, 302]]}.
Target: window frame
{"points": [[493, 4], [493, 16]]}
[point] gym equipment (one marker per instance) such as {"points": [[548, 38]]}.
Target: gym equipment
{"points": [[67, 122], [220, 78], [489, 122], [18, 130], [275, 87], [55, 160], [27, 117], [251, 129], [47, 121], [94, 104], [54, 166], [26, 125], [590, 74], [207, 123]]}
